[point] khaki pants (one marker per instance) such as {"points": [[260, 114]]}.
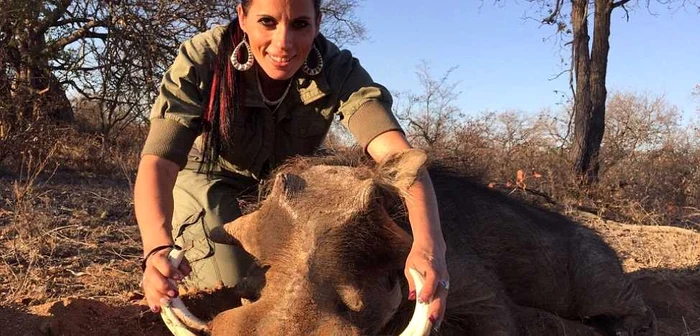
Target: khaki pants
{"points": [[201, 204]]}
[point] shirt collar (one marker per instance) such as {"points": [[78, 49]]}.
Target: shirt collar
{"points": [[308, 89]]}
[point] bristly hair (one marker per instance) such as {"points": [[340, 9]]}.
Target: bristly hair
{"points": [[221, 109]]}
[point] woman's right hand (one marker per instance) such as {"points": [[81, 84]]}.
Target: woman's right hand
{"points": [[153, 207], [159, 278]]}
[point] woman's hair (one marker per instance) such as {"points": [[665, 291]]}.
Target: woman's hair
{"points": [[222, 106], [317, 5]]}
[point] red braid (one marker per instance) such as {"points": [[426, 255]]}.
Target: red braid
{"points": [[221, 108], [209, 112], [224, 101]]}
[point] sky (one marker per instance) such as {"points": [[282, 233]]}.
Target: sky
{"points": [[506, 62]]}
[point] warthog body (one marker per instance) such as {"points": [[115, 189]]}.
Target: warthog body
{"points": [[335, 246]]}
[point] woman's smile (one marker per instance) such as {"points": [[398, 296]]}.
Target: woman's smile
{"points": [[280, 61]]}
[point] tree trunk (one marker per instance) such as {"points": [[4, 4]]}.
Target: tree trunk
{"points": [[5, 113], [53, 103], [36, 87], [590, 73], [8, 57], [599, 69], [582, 101]]}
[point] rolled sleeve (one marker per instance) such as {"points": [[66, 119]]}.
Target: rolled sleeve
{"points": [[170, 140], [365, 107], [370, 120]]}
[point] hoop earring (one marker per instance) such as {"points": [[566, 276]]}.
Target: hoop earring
{"points": [[319, 64], [234, 57]]}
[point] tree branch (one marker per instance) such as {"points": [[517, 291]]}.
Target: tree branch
{"points": [[622, 4], [619, 3], [70, 21], [84, 31], [102, 36], [53, 17], [65, 68], [551, 19]]}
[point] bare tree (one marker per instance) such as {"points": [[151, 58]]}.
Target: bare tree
{"points": [[636, 124], [112, 53], [339, 23], [25, 26], [589, 65], [431, 114]]}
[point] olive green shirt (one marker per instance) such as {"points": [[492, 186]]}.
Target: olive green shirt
{"points": [[298, 125]]}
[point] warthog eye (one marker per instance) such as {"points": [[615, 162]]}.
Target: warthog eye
{"points": [[350, 299], [342, 308]]}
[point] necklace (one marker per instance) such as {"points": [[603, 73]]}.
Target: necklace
{"points": [[273, 102]]}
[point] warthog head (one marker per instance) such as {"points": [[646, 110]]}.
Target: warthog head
{"points": [[335, 255]]}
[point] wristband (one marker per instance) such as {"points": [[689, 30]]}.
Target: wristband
{"points": [[153, 251]]}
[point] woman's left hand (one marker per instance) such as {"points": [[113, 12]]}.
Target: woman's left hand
{"points": [[429, 260]]}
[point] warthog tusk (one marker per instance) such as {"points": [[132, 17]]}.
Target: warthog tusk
{"points": [[171, 321], [420, 323], [184, 315], [174, 313]]}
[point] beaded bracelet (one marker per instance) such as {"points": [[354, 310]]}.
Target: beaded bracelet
{"points": [[153, 251]]}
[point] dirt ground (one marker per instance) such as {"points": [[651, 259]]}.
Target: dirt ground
{"points": [[69, 263]]}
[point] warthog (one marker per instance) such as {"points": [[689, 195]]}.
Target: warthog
{"points": [[333, 243]]}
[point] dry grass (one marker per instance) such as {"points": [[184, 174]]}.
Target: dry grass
{"points": [[65, 218], [70, 237], [647, 247]]}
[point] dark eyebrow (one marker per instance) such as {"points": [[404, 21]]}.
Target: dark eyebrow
{"points": [[299, 18]]}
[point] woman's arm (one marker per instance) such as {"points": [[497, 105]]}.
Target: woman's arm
{"points": [[153, 200], [428, 251], [153, 206]]}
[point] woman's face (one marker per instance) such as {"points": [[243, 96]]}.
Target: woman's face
{"points": [[281, 34]]}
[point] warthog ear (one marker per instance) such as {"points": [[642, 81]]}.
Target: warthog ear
{"points": [[288, 184], [239, 232], [402, 168]]}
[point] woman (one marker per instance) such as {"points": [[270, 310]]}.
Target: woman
{"points": [[237, 101]]}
